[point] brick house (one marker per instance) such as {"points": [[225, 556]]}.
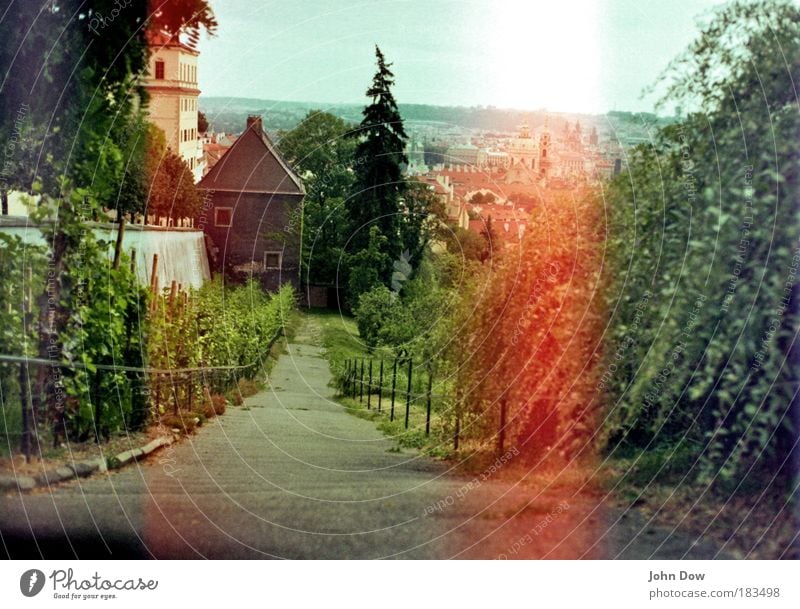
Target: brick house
{"points": [[252, 212]]}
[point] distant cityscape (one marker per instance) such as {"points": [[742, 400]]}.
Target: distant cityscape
{"points": [[488, 165]]}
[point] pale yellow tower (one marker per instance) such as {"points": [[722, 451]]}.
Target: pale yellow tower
{"points": [[171, 83]]}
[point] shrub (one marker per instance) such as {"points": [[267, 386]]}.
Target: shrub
{"points": [[247, 387], [218, 404], [374, 308]]}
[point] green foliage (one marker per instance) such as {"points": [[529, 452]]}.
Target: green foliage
{"points": [[423, 218], [22, 268], [379, 183], [102, 329], [171, 192], [374, 309], [704, 254], [366, 267], [218, 326], [465, 244], [319, 149], [202, 122], [188, 17]]}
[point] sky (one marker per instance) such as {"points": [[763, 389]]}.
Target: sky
{"points": [[561, 55]]}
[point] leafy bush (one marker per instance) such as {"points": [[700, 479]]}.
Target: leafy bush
{"points": [[704, 256], [373, 311]]}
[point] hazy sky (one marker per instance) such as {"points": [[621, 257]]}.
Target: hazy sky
{"points": [[566, 55]]}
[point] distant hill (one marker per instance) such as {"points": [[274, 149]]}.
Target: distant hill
{"points": [[228, 114]]}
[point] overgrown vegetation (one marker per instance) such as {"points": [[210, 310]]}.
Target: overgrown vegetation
{"points": [[73, 300], [656, 317], [704, 259], [213, 327]]}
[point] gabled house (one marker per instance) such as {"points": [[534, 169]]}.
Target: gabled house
{"points": [[252, 211]]}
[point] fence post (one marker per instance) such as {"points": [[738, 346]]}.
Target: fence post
{"points": [[380, 388], [428, 412], [154, 281], [361, 383], [28, 416], [120, 237], [346, 382], [25, 396], [408, 391], [369, 387], [350, 377], [457, 431], [501, 437], [355, 372], [394, 384]]}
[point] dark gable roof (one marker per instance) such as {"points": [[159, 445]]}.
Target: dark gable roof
{"points": [[253, 164]]}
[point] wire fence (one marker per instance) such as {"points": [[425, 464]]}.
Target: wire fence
{"points": [[159, 386]]}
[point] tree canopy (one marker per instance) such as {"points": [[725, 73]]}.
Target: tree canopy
{"points": [[379, 159]]}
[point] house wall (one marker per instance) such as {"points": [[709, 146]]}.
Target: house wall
{"points": [[260, 223], [181, 252]]}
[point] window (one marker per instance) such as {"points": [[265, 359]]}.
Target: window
{"points": [[159, 69], [272, 260], [223, 216]]}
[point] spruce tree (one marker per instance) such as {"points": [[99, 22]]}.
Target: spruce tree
{"points": [[379, 184]]}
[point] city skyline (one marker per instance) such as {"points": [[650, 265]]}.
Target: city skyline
{"points": [[463, 53]]}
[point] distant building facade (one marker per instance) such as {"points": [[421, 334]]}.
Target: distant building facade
{"points": [[252, 211]]}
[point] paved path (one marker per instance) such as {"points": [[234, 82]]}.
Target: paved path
{"points": [[292, 475]]}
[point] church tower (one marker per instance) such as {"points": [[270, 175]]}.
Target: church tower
{"points": [[545, 150]]}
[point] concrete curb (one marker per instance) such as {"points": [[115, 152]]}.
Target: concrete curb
{"points": [[81, 469], [129, 456]]}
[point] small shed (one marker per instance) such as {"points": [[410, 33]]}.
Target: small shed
{"points": [[252, 212]]}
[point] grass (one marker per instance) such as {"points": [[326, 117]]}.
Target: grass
{"points": [[341, 341]]}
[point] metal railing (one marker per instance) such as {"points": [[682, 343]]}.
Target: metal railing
{"points": [[166, 382], [353, 384]]}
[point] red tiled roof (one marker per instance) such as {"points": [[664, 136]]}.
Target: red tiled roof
{"points": [[162, 40]]}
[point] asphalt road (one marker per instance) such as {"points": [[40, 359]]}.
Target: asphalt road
{"points": [[293, 475]]}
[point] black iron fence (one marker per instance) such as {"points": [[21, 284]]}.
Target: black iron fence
{"points": [[396, 381]]}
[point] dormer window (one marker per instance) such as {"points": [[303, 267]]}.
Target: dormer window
{"points": [[159, 69]]}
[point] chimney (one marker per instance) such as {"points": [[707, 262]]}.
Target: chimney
{"points": [[254, 120]]}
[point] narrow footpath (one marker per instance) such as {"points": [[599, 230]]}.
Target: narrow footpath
{"points": [[292, 475]]}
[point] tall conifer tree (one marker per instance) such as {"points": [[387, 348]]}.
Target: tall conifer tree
{"points": [[379, 184]]}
